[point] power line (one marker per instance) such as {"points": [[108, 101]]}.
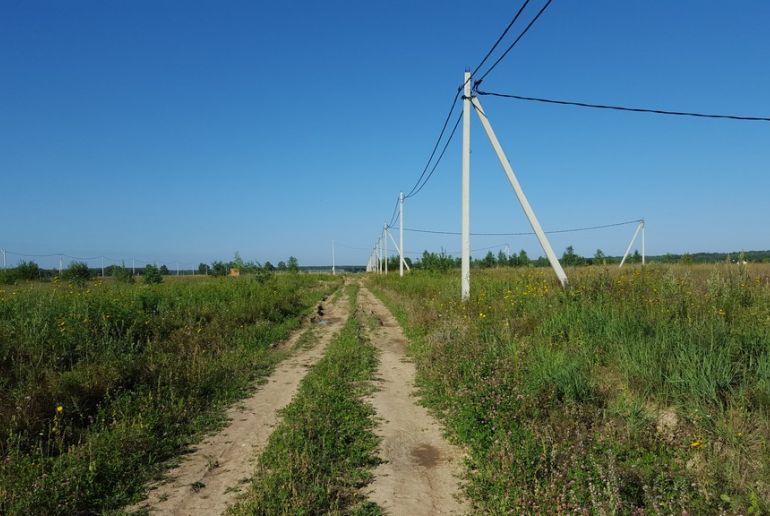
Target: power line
{"points": [[419, 184], [624, 108], [435, 147], [499, 39], [571, 230], [446, 145], [510, 47], [394, 217]]}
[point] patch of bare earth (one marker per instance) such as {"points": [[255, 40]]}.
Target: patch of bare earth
{"points": [[216, 472], [420, 469]]}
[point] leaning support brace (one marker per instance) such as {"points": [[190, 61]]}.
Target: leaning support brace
{"points": [[541, 237]]}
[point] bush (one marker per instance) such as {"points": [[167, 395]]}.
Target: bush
{"points": [[28, 270], [7, 277], [152, 275], [77, 272], [123, 274]]}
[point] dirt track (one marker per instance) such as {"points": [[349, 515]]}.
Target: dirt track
{"points": [[211, 477], [420, 471]]}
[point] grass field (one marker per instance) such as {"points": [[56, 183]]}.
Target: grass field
{"points": [[100, 384], [641, 390]]}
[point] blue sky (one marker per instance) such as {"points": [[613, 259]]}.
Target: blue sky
{"points": [[186, 131]]}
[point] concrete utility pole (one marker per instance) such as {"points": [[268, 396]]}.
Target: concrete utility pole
{"points": [[385, 238], [334, 268], [102, 266], [542, 238], [643, 256], [61, 264], [133, 266], [465, 270], [401, 235], [4, 264]]}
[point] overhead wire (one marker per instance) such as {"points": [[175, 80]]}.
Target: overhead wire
{"points": [[555, 231], [623, 108], [515, 42]]}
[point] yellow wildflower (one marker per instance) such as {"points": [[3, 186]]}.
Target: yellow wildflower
{"points": [[59, 409]]}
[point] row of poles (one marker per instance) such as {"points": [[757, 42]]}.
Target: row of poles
{"points": [[378, 259]]}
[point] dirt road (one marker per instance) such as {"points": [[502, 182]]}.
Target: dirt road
{"points": [[420, 471], [211, 477]]}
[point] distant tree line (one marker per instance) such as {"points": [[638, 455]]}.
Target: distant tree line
{"points": [[442, 261]]}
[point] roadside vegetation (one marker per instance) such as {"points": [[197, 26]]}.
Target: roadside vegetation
{"points": [[101, 382], [639, 390], [323, 451]]}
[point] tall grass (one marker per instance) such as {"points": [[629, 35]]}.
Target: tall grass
{"points": [[99, 385], [635, 389]]}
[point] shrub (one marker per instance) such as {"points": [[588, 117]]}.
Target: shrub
{"points": [[152, 275], [77, 272], [123, 274], [28, 270]]}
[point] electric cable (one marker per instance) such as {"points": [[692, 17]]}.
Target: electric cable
{"points": [[555, 231], [623, 108]]}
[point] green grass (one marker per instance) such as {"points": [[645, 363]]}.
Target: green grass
{"points": [[321, 454], [99, 385], [634, 389]]}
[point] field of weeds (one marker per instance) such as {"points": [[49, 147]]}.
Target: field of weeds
{"points": [[634, 390], [101, 383]]}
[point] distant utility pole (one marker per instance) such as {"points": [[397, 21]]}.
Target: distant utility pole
{"points": [[177, 268], [61, 264], [401, 235], [102, 266], [4, 264], [385, 238], [133, 266], [334, 269]]}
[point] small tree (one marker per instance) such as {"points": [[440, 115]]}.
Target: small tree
{"points": [[77, 272], [281, 266], [523, 259], [269, 267], [636, 258], [122, 274], [164, 270], [489, 260], [292, 265], [28, 270], [502, 259], [218, 268], [203, 269], [152, 275], [599, 257]]}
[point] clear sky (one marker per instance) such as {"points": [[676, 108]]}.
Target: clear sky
{"points": [[186, 131]]}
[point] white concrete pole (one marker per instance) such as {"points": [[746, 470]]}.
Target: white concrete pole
{"points": [[400, 235], [633, 239], [102, 266], [133, 266], [385, 234], [643, 255], [61, 264], [542, 238], [398, 250], [465, 244], [334, 270], [4, 264]]}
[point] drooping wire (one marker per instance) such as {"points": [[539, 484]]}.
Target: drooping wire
{"points": [[623, 108], [443, 151], [570, 230], [515, 41], [419, 184], [394, 217], [435, 147]]}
